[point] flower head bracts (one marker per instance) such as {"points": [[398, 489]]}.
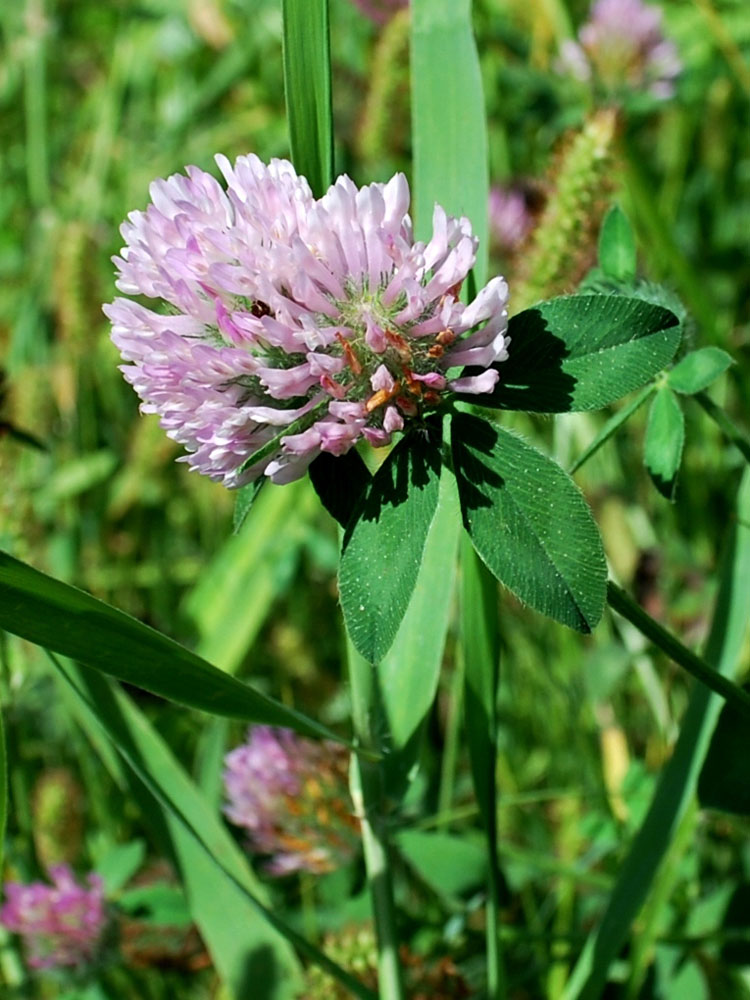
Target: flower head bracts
{"points": [[290, 325], [291, 795], [61, 924], [623, 45]]}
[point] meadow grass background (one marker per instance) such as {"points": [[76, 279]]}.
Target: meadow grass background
{"points": [[97, 100]]}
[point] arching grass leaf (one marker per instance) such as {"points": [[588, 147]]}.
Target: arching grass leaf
{"points": [[529, 523], [69, 621]]}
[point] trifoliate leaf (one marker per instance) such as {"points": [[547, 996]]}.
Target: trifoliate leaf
{"points": [[244, 499]]}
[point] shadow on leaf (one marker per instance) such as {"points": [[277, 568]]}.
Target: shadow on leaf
{"points": [[533, 377]]}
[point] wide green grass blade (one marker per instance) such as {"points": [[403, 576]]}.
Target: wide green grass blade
{"points": [[677, 785], [408, 674], [449, 127], [70, 622], [307, 85], [258, 561], [251, 945]]}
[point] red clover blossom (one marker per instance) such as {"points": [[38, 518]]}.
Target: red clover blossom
{"points": [[286, 326], [510, 219], [62, 924], [291, 795], [623, 44]]}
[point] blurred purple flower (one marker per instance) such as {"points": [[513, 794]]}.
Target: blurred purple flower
{"points": [[61, 924], [623, 45], [510, 219], [295, 324], [380, 11], [291, 795]]}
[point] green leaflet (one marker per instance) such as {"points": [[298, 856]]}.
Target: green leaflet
{"points": [[581, 352], [530, 523], [698, 369], [307, 87], [75, 624], [339, 482], [385, 539], [665, 438], [617, 254], [244, 499]]}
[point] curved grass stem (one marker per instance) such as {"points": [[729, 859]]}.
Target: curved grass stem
{"points": [[669, 644]]}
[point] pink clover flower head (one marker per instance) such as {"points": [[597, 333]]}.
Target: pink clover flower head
{"points": [[291, 795], [510, 219], [61, 924], [380, 11], [623, 45], [274, 311]]}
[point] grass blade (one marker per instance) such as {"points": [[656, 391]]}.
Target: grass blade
{"points": [[216, 872], [68, 621], [676, 788], [449, 125], [307, 86]]}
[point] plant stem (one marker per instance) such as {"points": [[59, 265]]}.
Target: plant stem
{"points": [[368, 793], [480, 641], [624, 604], [739, 438]]}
